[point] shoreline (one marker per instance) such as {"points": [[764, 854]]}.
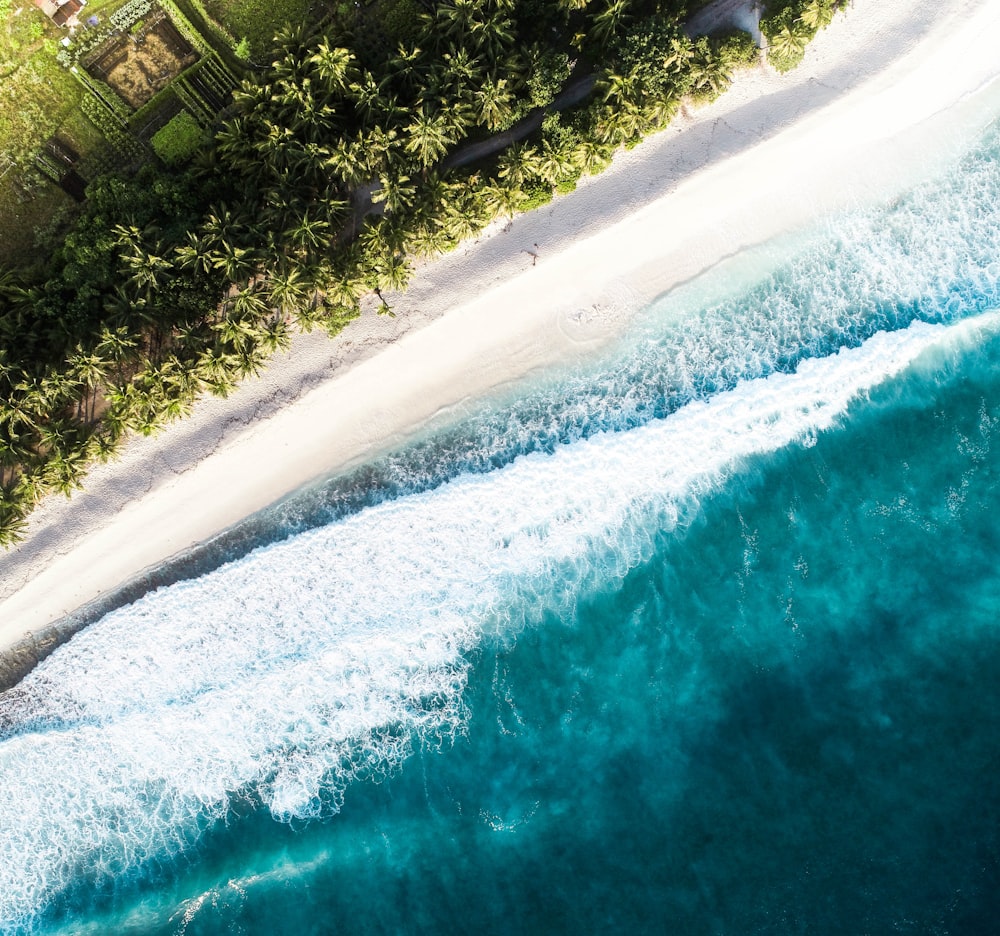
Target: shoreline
{"points": [[867, 111]]}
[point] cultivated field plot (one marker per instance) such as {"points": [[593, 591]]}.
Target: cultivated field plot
{"points": [[141, 64], [37, 96]]}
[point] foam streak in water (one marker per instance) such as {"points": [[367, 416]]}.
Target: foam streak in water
{"points": [[929, 256], [285, 675]]}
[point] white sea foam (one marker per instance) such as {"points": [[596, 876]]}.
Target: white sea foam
{"points": [[931, 255], [287, 674]]}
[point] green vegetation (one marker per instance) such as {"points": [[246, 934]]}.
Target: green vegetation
{"points": [[256, 22], [790, 27], [36, 97], [179, 140], [367, 141], [73, 108]]}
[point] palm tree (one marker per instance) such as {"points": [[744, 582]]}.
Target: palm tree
{"points": [[621, 124], [147, 272], [786, 48], [120, 308], [396, 192], [15, 448], [461, 68], [621, 86], [381, 235], [592, 156], [217, 369], [493, 103], [115, 345], [288, 290], [429, 134], [190, 337], [307, 162], [404, 67], [61, 472], [8, 372], [101, 445], [518, 163], [384, 266], [344, 292], [349, 160], [608, 22], [250, 303], [53, 435], [709, 74], [451, 21], [193, 255], [334, 65], [13, 524], [494, 35], [430, 239], [91, 370], [238, 332], [370, 100], [660, 111], [233, 142], [817, 15], [381, 149], [223, 225], [251, 362], [29, 487], [27, 406], [554, 163], [500, 199], [274, 335], [237, 264], [124, 404], [310, 236]]}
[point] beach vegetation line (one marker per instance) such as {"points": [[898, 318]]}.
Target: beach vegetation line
{"points": [[372, 137]]}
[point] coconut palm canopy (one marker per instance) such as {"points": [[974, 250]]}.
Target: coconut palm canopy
{"points": [[335, 164]]}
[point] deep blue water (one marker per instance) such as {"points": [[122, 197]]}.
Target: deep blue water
{"points": [[699, 639]]}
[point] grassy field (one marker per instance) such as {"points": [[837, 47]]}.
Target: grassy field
{"points": [[258, 20]]}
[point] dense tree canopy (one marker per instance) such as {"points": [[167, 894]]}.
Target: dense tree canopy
{"points": [[325, 177]]}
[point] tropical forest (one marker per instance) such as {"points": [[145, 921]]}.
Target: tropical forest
{"points": [[186, 183]]}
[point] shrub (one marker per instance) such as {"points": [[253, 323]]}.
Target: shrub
{"points": [[401, 20], [787, 45], [177, 141], [790, 26], [538, 194], [647, 52], [737, 49], [121, 141], [548, 71]]}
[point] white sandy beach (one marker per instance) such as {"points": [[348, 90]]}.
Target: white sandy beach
{"points": [[884, 92]]}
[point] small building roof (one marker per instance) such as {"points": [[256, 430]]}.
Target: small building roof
{"points": [[65, 13]]}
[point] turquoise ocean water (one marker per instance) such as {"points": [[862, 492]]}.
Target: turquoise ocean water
{"points": [[701, 638]]}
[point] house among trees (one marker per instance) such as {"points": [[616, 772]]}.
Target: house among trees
{"points": [[65, 13]]}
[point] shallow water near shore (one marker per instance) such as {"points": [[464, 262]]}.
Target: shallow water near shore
{"points": [[701, 638]]}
